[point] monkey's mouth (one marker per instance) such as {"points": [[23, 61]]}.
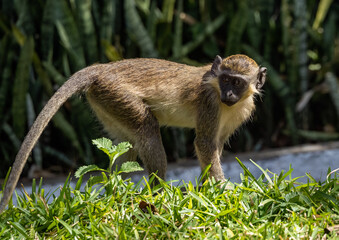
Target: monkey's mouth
{"points": [[229, 102]]}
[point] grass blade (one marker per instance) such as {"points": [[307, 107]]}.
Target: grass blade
{"points": [[248, 173], [20, 229], [264, 172]]}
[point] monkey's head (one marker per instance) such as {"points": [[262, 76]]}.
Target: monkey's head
{"points": [[236, 77]]}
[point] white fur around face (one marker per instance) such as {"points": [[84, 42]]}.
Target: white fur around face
{"points": [[232, 117]]}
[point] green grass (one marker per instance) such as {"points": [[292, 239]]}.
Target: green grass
{"points": [[272, 206]]}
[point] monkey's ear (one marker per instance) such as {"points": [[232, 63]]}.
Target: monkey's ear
{"points": [[261, 78], [216, 65]]}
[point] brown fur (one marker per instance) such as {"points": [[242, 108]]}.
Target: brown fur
{"points": [[133, 98]]}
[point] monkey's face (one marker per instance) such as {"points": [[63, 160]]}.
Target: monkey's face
{"points": [[237, 76], [232, 88]]}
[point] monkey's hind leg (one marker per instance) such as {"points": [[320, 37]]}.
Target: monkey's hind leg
{"points": [[132, 120], [150, 147], [144, 134], [115, 131]]}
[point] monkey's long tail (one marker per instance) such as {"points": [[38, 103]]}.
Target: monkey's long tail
{"points": [[79, 82]]}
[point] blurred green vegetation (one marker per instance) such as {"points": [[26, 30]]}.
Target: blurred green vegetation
{"points": [[43, 42]]}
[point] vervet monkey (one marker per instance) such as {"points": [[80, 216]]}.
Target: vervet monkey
{"points": [[133, 98]]}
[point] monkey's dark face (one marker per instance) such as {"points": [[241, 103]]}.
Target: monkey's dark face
{"points": [[232, 88], [237, 75]]}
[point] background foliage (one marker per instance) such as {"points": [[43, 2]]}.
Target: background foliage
{"points": [[44, 42]]}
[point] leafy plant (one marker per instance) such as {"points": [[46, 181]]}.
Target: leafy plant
{"points": [[113, 152]]}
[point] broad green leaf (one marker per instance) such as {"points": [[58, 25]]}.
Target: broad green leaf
{"points": [[128, 167], [85, 169], [122, 148], [103, 144], [95, 180]]}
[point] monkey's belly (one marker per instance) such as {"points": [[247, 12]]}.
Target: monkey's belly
{"points": [[183, 117]]}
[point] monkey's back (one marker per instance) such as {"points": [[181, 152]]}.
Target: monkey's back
{"points": [[162, 86]]}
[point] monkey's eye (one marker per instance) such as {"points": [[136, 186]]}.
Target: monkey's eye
{"points": [[235, 81], [223, 78]]}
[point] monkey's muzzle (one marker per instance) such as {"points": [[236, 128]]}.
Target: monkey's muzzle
{"points": [[229, 100]]}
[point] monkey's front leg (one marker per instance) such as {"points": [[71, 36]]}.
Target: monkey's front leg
{"points": [[208, 153], [207, 145]]}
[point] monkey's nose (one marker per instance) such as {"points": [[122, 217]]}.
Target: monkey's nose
{"points": [[229, 94]]}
